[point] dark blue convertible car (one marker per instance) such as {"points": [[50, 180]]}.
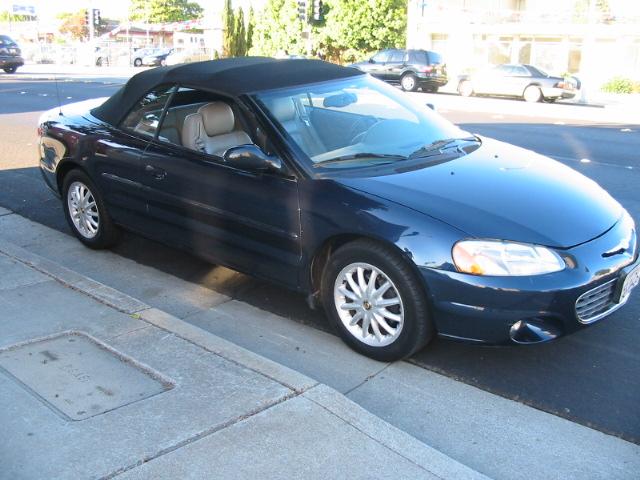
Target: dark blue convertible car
{"points": [[332, 183]]}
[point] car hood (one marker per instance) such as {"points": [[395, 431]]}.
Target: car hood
{"points": [[504, 192]]}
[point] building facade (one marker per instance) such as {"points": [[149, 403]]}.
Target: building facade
{"points": [[593, 39]]}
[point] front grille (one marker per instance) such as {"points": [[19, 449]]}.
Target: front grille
{"points": [[596, 303]]}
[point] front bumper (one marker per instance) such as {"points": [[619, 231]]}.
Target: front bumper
{"points": [[508, 310]]}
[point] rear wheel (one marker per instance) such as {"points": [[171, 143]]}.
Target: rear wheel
{"points": [[465, 88], [409, 82], [532, 94], [137, 62], [375, 301], [10, 69], [86, 212]]}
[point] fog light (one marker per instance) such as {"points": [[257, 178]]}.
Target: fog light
{"points": [[534, 330]]}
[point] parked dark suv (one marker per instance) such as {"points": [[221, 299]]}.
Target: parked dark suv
{"points": [[10, 58], [410, 68]]}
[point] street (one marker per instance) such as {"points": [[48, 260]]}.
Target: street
{"points": [[590, 377]]}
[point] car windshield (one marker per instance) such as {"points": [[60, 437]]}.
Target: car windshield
{"points": [[356, 123]]}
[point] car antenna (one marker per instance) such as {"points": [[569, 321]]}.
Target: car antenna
{"points": [[55, 78]]}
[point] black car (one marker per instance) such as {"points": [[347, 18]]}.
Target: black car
{"points": [[412, 69], [335, 184], [157, 58], [10, 55], [517, 80]]}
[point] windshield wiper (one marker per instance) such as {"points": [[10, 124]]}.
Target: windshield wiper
{"points": [[435, 148], [358, 156]]}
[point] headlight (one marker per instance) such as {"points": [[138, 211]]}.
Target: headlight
{"points": [[497, 257]]}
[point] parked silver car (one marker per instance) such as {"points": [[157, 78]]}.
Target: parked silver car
{"points": [[517, 80]]}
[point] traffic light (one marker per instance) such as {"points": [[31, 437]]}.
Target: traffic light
{"points": [[96, 16], [87, 17], [317, 10], [302, 10]]}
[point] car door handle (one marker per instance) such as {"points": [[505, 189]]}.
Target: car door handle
{"points": [[155, 172]]}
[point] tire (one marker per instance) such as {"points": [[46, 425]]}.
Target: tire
{"points": [[409, 82], [102, 232], [137, 62], [465, 88], [407, 323], [532, 94], [10, 69], [99, 62]]}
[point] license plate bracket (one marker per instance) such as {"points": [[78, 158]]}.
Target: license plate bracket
{"points": [[630, 281]]}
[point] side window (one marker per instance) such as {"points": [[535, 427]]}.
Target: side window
{"points": [[381, 57], [520, 72], [419, 58], [144, 118], [503, 70], [397, 56], [204, 122]]}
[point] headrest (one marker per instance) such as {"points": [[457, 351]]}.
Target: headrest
{"points": [[217, 118], [283, 109]]}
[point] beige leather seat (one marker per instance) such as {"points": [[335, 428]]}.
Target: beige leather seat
{"points": [[211, 130], [284, 110]]}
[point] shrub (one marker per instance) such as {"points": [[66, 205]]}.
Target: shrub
{"points": [[621, 85]]}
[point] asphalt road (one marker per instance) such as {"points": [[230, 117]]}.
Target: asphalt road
{"points": [[592, 377]]}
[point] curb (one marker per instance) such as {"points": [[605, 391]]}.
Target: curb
{"points": [[396, 440]]}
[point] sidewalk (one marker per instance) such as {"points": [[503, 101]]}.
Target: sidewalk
{"points": [[97, 384]]}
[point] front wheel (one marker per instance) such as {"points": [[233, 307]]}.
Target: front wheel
{"points": [[86, 212], [375, 301], [10, 69], [409, 82]]}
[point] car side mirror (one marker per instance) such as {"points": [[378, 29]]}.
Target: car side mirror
{"points": [[251, 157], [432, 106]]}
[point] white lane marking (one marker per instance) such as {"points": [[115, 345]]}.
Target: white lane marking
{"points": [[626, 130], [578, 160], [585, 160], [559, 123]]}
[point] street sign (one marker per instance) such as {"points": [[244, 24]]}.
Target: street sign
{"points": [[29, 10]]}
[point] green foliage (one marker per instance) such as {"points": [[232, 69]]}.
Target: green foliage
{"points": [[240, 33], [164, 11], [74, 24], [621, 85], [228, 27], [278, 29], [251, 25], [363, 26], [7, 16]]}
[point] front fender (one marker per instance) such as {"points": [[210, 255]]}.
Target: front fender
{"points": [[329, 209]]}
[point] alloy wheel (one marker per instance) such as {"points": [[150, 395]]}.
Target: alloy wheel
{"points": [[83, 210], [368, 304]]}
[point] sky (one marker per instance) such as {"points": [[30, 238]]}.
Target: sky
{"points": [[115, 9]]}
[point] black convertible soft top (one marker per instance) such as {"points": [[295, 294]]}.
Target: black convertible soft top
{"points": [[233, 76]]}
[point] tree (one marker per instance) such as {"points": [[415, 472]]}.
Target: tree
{"points": [[7, 16], [164, 11], [278, 29], [74, 24], [251, 25], [363, 26], [228, 30], [240, 34]]}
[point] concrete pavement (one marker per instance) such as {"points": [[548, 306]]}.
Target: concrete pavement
{"points": [[492, 435], [96, 384]]}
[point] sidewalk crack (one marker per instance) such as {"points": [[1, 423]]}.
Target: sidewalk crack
{"points": [[369, 377]]}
